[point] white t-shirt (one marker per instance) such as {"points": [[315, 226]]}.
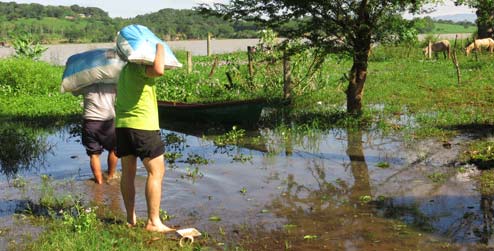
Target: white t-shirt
{"points": [[99, 101]]}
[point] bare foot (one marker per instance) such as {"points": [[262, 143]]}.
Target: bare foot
{"points": [[131, 220], [159, 229]]}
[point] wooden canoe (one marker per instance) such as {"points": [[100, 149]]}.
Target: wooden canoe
{"points": [[244, 113]]}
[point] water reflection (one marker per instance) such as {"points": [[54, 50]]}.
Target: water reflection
{"points": [[22, 148], [309, 190], [338, 214]]}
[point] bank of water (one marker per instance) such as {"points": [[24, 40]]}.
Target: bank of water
{"points": [[331, 190], [58, 53]]}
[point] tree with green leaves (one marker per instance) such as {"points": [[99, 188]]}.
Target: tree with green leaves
{"points": [[348, 26], [485, 16]]}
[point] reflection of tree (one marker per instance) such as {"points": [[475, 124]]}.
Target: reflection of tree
{"points": [[333, 215], [21, 148], [358, 165], [485, 232]]}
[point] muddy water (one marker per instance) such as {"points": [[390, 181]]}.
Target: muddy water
{"points": [[298, 191]]}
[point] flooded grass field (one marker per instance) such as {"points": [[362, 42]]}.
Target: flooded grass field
{"points": [[281, 189]]}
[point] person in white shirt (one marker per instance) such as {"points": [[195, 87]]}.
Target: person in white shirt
{"points": [[98, 127]]}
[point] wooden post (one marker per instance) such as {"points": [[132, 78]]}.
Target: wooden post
{"points": [[287, 76], [189, 62], [476, 48], [455, 62], [250, 51], [209, 44], [213, 68], [429, 53]]}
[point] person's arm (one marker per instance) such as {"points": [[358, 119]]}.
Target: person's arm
{"points": [[158, 67]]}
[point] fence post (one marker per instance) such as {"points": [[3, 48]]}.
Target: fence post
{"points": [[287, 76], [250, 50], [189, 62], [455, 62], [209, 44], [429, 52]]}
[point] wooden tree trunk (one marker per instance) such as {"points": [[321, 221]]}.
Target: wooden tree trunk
{"points": [[287, 76], [358, 75], [485, 19]]}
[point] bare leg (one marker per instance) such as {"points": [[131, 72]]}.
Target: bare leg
{"points": [[112, 164], [95, 164], [156, 171], [129, 168]]}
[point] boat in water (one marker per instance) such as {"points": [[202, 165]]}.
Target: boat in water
{"points": [[245, 114]]}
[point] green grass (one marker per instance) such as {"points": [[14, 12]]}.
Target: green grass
{"points": [[404, 91], [31, 90], [442, 28]]}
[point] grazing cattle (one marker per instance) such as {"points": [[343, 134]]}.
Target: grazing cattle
{"points": [[441, 46], [479, 44]]}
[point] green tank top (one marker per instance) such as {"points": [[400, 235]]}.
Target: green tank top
{"points": [[136, 103]]}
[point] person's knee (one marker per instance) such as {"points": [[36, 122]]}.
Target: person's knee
{"points": [[155, 166]]}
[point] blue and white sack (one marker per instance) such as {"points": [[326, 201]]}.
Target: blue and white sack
{"points": [[137, 44], [94, 66]]}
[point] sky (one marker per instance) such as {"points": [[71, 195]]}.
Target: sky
{"points": [[124, 8], [132, 8]]}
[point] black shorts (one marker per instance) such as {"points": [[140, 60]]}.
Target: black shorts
{"points": [[140, 143], [98, 135]]}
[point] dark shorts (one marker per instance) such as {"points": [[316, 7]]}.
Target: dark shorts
{"points": [[140, 143], [98, 135]]}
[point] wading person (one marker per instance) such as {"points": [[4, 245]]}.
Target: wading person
{"points": [[98, 128], [138, 135]]}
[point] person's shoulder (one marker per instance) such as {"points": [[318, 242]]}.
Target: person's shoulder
{"points": [[139, 69]]}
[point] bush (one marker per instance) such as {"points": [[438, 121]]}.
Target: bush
{"points": [[25, 76]]}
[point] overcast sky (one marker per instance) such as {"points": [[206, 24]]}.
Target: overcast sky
{"points": [[131, 8]]}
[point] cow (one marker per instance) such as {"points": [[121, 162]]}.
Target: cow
{"points": [[441, 46], [478, 44]]}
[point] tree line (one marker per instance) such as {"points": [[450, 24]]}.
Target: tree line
{"points": [[74, 24]]}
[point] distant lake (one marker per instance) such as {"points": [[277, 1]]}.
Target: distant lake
{"points": [[58, 54]]}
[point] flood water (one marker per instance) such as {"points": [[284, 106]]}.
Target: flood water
{"points": [[59, 53], [280, 189]]}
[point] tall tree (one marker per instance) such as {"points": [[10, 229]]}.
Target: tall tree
{"points": [[349, 26], [485, 16]]}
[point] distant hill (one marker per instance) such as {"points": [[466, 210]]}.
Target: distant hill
{"points": [[457, 17], [76, 24]]}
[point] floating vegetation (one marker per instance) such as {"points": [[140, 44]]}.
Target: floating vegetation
{"points": [[383, 165], [243, 190], [214, 218], [193, 173], [242, 158], [195, 159], [437, 177], [233, 137], [171, 157]]}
